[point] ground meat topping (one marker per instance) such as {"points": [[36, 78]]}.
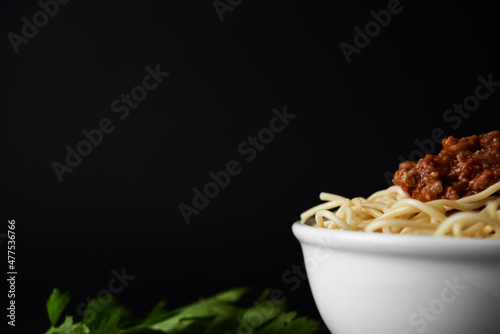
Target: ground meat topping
{"points": [[464, 167]]}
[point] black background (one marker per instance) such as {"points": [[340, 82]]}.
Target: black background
{"points": [[119, 208]]}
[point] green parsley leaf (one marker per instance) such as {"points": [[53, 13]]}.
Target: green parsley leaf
{"points": [[56, 304], [104, 314], [68, 327], [231, 296], [219, 314], [287, 323]]}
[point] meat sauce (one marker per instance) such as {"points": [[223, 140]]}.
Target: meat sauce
{"points": [[464, 167]]}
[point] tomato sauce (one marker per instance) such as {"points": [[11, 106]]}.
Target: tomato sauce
{"points": [[463, 167]]}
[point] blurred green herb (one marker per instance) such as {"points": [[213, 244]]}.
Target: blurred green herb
{"points": [[56, 304], [218, 314]]}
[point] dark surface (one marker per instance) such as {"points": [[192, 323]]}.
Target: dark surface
{"points": [[119, 208]]}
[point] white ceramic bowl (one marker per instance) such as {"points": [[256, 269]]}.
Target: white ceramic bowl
{"points": [[371, 283]]}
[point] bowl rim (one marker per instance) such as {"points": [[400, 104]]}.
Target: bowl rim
{"points": [[398, 245]]}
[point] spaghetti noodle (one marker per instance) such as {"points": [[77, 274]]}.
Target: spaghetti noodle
{"points": [[392, 210]]}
